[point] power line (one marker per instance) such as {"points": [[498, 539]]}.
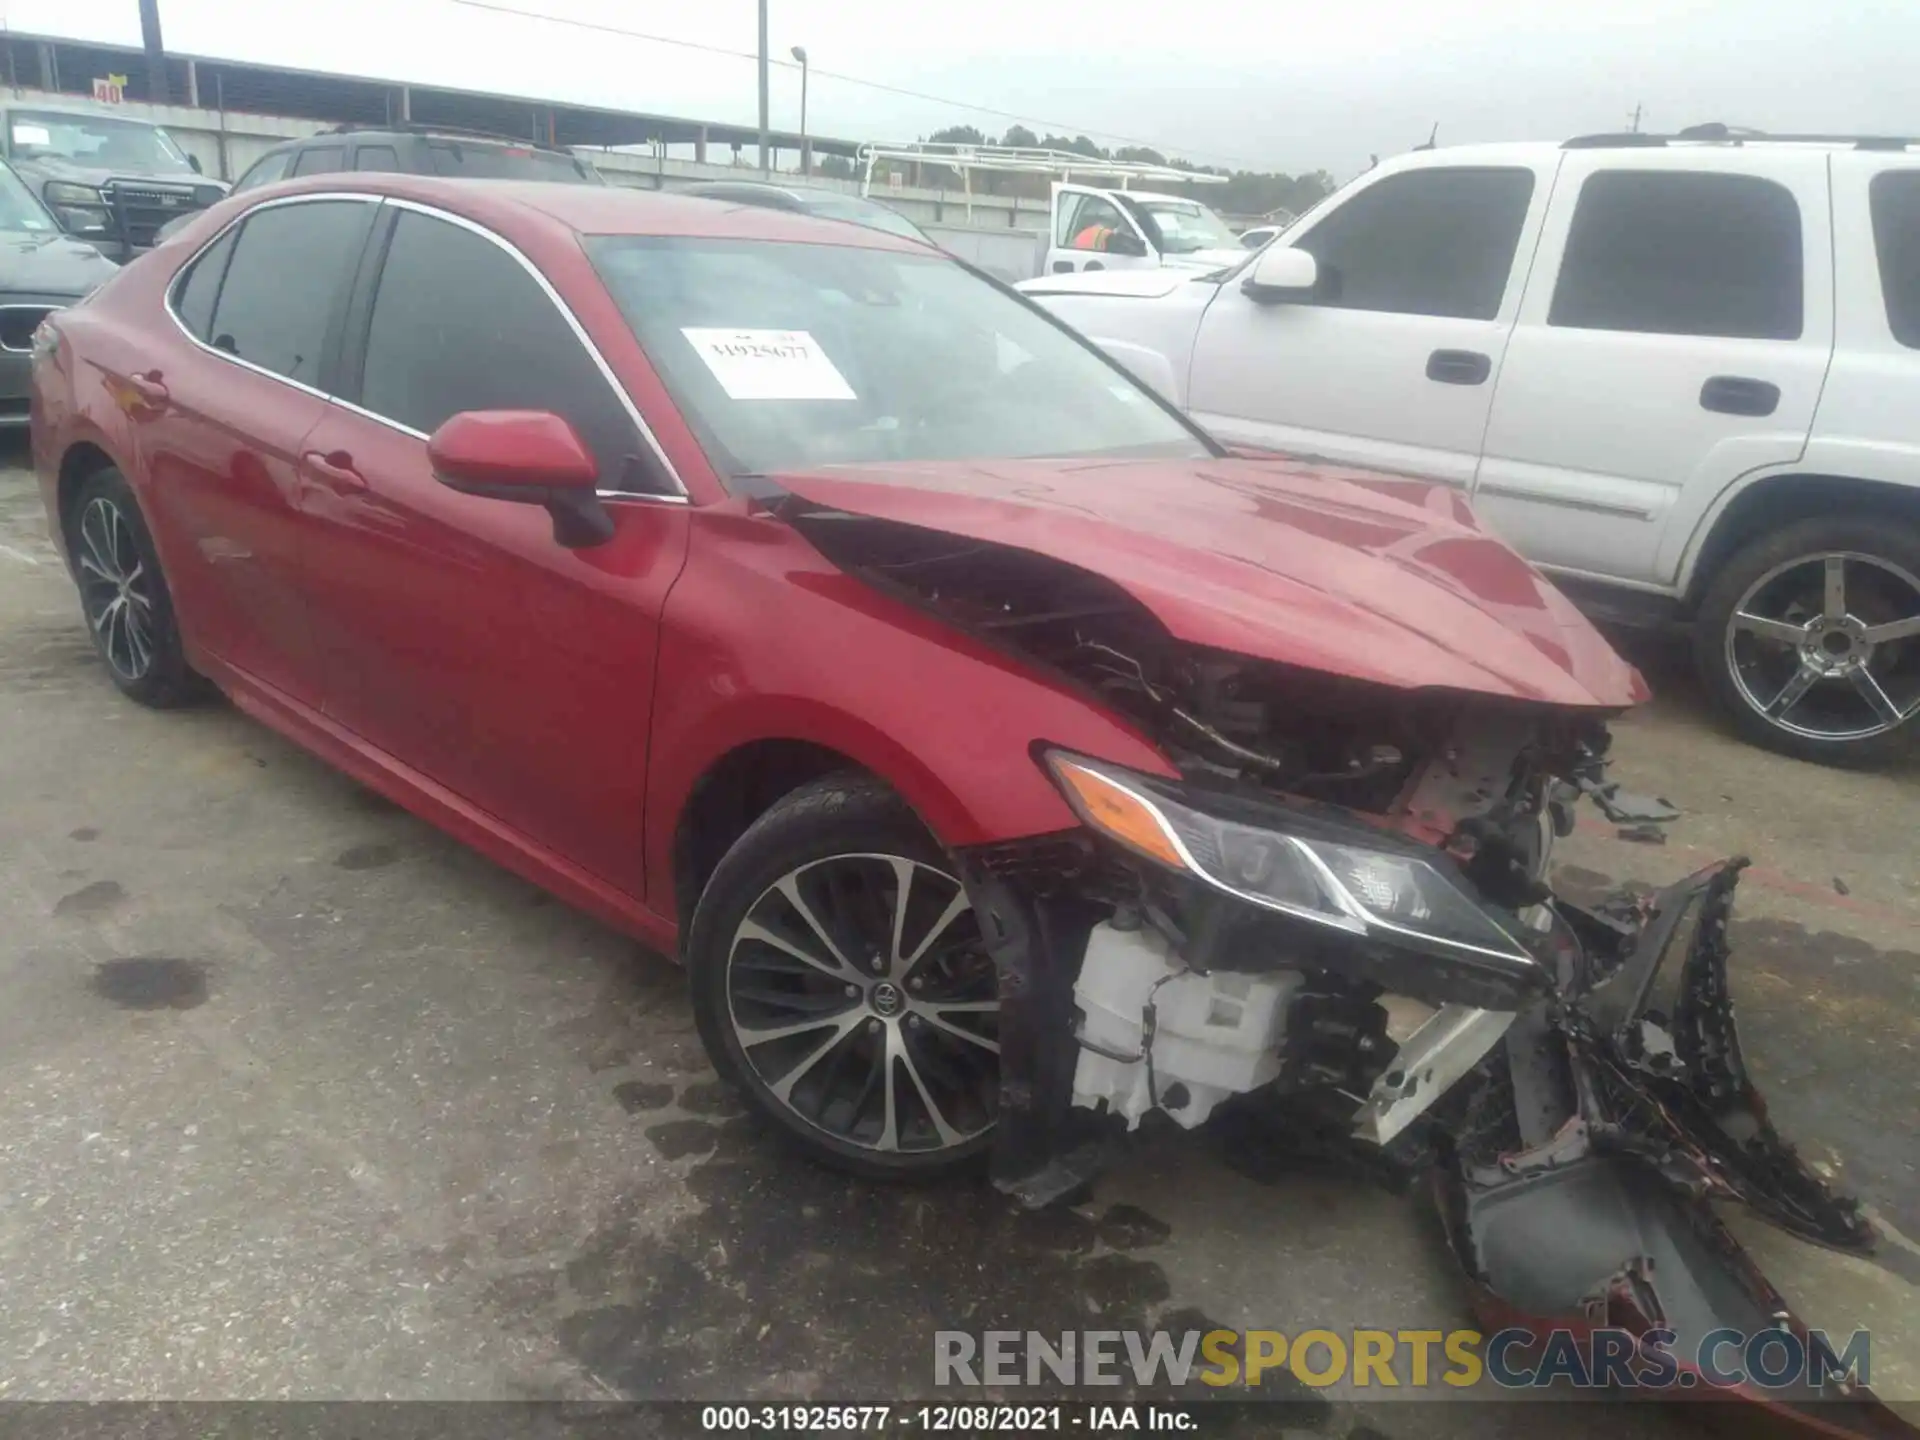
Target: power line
{"points": [[967, 105]]}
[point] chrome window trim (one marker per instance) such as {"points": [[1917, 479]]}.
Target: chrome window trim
{"points": [[553, 297], [573, 324]]}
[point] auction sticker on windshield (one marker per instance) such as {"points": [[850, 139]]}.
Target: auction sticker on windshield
{"points": [[768, 364]]}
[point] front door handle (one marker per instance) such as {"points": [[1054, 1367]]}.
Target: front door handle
{"points": [[1739, 395], [1459, 367], [335, 470]]}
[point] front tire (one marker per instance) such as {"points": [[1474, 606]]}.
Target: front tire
{"points": [[840, 982], [124, 596], [1809, 639]]}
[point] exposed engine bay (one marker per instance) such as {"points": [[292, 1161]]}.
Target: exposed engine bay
{"points": [[1339, 919]]}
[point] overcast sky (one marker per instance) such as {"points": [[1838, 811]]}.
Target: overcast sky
{"points": [[1289, 85]]}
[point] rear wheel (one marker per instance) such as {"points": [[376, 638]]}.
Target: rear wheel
{"points": [[841, 983], [1810, 639], [124, 595]]}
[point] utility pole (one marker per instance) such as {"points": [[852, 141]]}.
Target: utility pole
{"points": [[158, 91], [1635, 126], [766, 164], [806, 145]]}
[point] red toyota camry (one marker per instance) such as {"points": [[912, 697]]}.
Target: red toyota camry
{"points": [[1005, 760]]}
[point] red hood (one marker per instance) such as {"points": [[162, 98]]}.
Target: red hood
{"points": [[1329, 569]]}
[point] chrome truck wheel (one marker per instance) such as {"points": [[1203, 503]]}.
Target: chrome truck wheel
{"points": [[1816, 651]]}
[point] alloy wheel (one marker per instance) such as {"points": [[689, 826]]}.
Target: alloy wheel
{"points": [[116, 591], [1827, 646], [861, 994]]}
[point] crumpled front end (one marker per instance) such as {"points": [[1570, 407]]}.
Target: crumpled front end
{"points": [[1583, 1164], [1327, 916], [1405, 984]]}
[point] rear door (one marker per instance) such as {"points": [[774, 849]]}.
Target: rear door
{"points": [[229, 412], [1092, 232], [456, 635], [1391, 363], [1675, 337]]}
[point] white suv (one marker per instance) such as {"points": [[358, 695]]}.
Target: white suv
{"points": [[1680, 373]]}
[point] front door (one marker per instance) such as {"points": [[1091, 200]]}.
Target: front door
{"points": [[1391, 363], [231, 409], [455, 634], [1675, 336], [1092, 232]]}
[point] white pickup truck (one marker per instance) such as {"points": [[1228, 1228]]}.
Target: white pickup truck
{"points": [[1092, 229], [1680, 373]]}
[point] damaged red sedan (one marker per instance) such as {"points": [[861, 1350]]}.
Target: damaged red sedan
{"points": [[1006, 761]]}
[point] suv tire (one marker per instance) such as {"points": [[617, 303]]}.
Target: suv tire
{"points": [[1809, 639], [877, 1051]]}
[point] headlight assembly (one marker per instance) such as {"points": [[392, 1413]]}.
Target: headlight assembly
{"points": [[62, 192], [1341, 884]]}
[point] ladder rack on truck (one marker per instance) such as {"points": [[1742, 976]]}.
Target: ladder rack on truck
{"points": [[1059, 165]]}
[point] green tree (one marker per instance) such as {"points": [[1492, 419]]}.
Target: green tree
{"points": [[957, 135], [1021, 136]]}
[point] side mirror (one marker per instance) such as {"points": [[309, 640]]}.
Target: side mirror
{"points": [[1125, 242], [194, 162], [530, 457], [1282, 275]]}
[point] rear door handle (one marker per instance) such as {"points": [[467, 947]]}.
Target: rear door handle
{"points": [[1739, 395], [1459, 367], [335, 470]]}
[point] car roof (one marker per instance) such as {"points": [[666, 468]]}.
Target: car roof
{"points": [[511, 205], [1505, 152]]}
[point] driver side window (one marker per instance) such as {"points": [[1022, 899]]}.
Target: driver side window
{"points": [[1091, 225], [1428, 242], [431, 351]]}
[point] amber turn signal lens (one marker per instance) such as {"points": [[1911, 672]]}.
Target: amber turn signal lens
{"points": [[1114, 810]]}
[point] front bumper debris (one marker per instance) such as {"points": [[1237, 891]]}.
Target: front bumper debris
{"points": [[1578, 1184]]}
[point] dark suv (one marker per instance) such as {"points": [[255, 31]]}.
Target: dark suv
{"points": [[415, 150]]}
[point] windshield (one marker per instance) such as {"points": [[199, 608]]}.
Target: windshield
{"points": [[1184, 226], [96, 141], [793, 356], [19, 209], [480, 161], [869, 213]]}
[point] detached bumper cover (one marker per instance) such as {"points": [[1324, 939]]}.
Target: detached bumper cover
{"points": [[1578, 1190]]}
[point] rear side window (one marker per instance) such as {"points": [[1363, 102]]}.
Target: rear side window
{"points": [[434, 349], [1429, 242], [321, 160], [266, 170], [376, 157], [196, 291], [1670, 252], [1895, 199], [289, 268]]}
